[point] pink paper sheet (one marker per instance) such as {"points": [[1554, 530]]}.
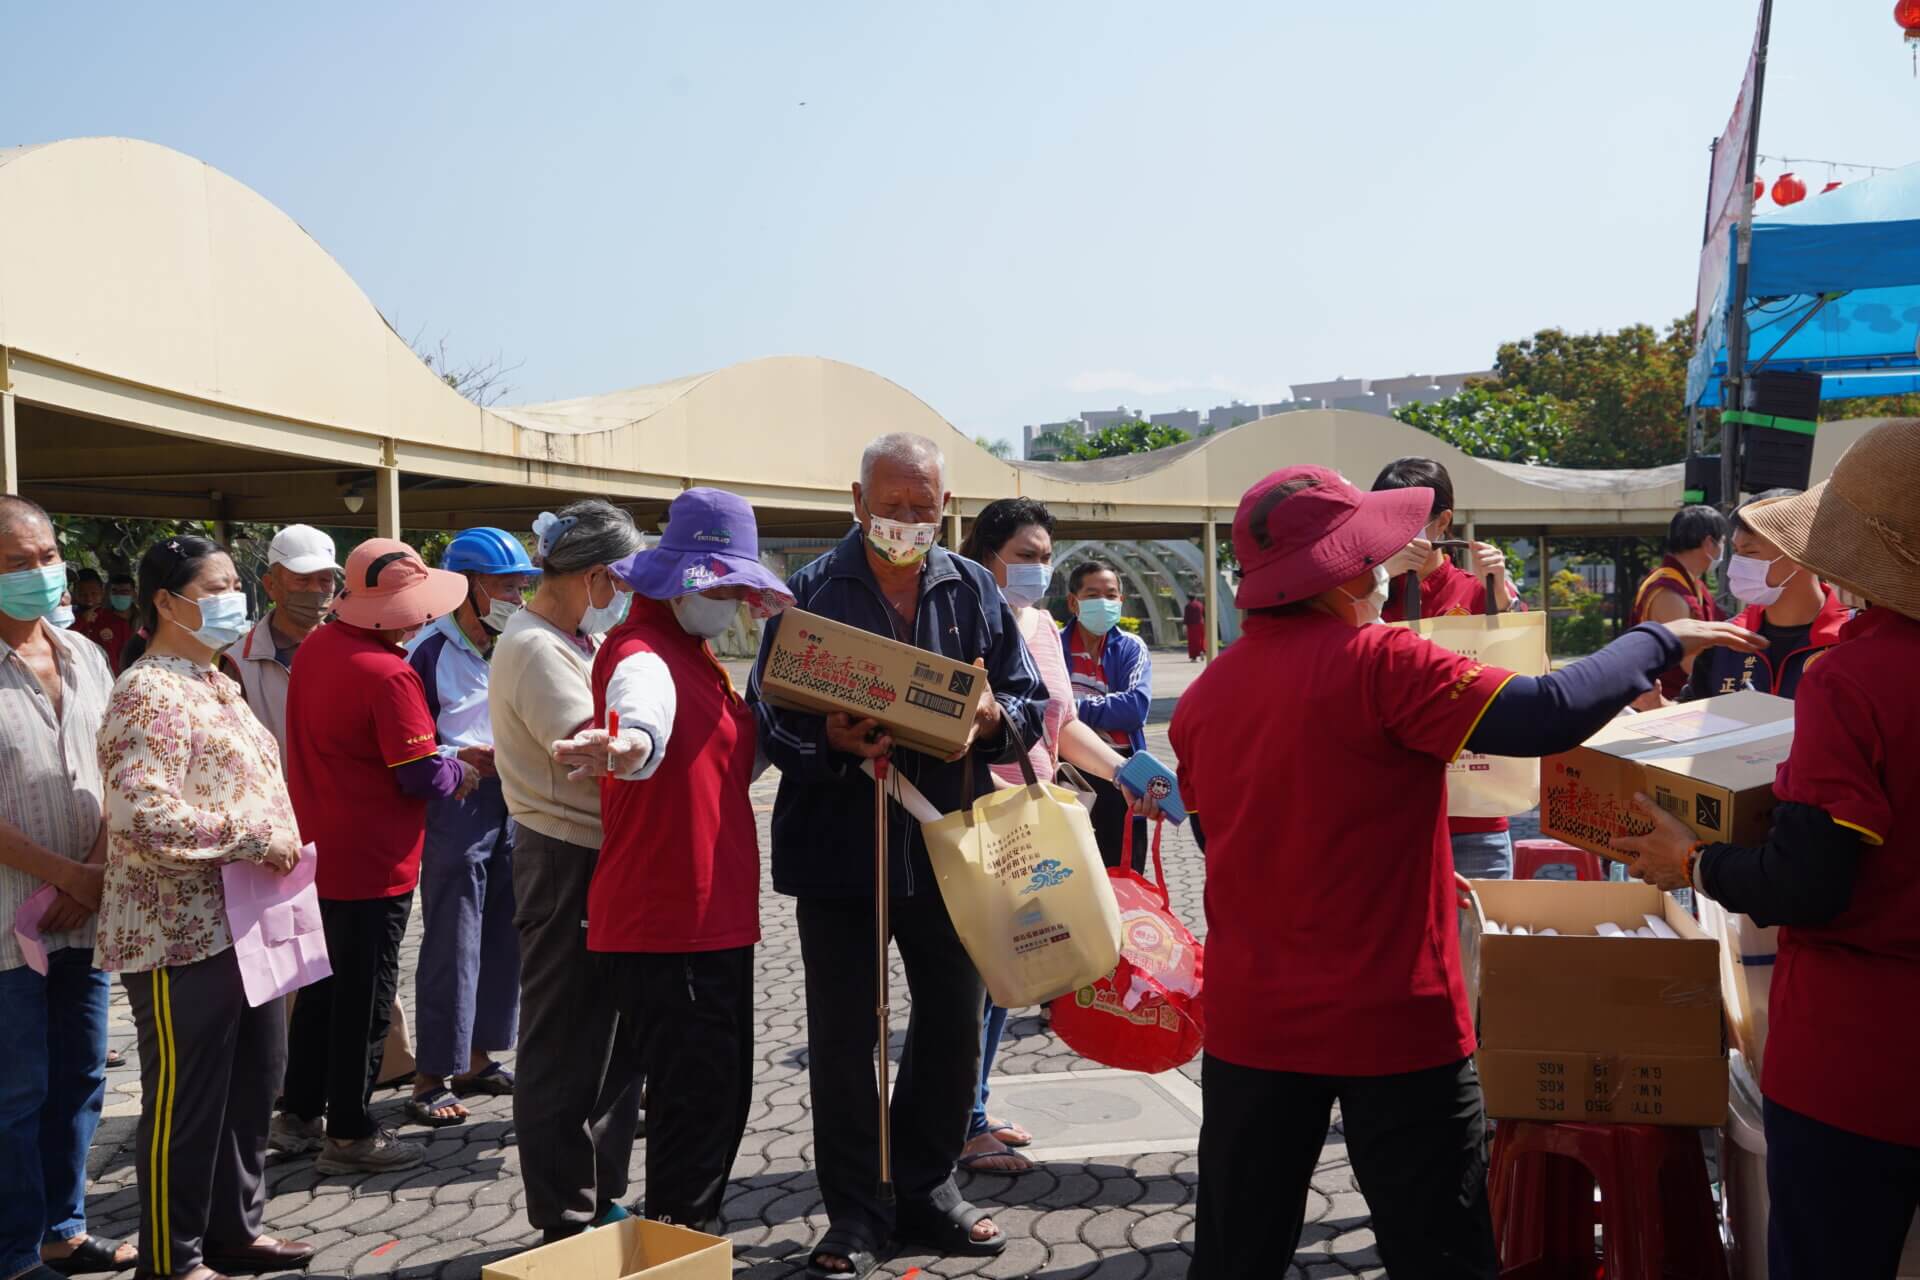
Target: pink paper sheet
{"points": [[26, 928], [275, 921]]}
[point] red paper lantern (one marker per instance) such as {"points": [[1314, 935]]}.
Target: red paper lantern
{"points": [[1831, 186], [1759, 187], [1788, 189], [1907, 14]]}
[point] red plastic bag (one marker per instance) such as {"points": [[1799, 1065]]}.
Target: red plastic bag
{"points": [[1145, 1015]]}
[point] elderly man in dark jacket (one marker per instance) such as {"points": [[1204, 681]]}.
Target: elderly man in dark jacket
{"points": [[889, 578]]}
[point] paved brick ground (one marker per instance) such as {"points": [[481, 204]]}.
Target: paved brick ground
{"points": [[1111, 1220]]}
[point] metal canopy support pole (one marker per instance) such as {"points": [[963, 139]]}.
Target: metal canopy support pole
{"points": [[387, 513], [1546, 593], [9, 444], [1210, 552], [955, 531], [1734, 397]]}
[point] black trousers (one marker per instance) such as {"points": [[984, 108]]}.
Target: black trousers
{"points": [[939, 1073], [1840, 1204], [576, 1096], [694, 1014], [1418, 1143], [1111, 814], [209, 1067], [339, 1031]]}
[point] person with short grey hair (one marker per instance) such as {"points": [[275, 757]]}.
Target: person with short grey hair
{"points": [[575, 1114], [889, 577]]}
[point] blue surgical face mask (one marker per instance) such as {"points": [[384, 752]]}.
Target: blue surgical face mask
{"points": [[62, 616], [120, 601], [223, 619], [1099, 616], [1026, 583], [32, 593]]}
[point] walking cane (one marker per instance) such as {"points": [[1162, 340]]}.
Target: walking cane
{"points": [[881, 769]]}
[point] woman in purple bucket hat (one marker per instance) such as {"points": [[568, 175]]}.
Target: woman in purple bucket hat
{"points": [[675, 902]]}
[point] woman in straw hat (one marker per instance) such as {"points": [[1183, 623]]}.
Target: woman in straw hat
{"points": [[1318, 748], [1840, 870]]}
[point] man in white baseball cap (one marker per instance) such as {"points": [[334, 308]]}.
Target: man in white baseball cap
{"points": [[301, 580]]}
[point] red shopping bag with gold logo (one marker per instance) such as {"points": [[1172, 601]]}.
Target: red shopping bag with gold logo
{"points": [[1146, 1014]]}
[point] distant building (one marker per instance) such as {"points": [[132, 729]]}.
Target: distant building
{"points": [[1100, 419], [1187, 420], [1047, 441], [1225, 417]]}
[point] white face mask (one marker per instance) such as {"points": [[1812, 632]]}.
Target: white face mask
{"points": [[1367, 608], [901, 543], [600, 619], [704, 616], [1747, 579], [499, 614]]}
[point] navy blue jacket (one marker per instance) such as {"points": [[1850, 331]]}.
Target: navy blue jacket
{"points": [[1125, 706], [823, 814]]}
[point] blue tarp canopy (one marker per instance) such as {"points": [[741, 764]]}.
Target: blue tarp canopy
{"points": [[1845, 268]]}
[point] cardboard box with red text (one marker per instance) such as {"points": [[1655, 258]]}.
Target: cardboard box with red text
{"points": [[926, 701], [1709, 763], [631, 1249], [1585, 1028]]}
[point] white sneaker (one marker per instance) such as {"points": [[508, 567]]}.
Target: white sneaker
{"points": [[291, 1135], [381, 1153]]}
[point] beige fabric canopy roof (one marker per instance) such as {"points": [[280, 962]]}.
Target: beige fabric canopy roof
{"points": [[171, 344]]}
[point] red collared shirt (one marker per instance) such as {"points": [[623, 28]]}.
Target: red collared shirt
{"points": [[355, 712], [1844, 1038], [1318, 752]]}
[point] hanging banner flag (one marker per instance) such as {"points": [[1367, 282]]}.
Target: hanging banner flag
{"points": [[1729, 195]]}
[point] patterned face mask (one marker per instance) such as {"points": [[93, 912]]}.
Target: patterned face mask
{"points": [[901, 543]]}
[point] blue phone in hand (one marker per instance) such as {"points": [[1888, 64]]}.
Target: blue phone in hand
{"points": [[1146, 776]]}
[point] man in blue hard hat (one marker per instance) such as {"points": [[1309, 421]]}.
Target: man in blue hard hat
{"points": [[467, 990]]}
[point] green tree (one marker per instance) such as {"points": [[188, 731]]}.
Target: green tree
{"points": [[1001, 449], [1620, 394], [1506, 426], [1123, 438]]}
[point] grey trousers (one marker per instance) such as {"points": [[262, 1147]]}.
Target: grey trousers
{"points": [[210, 1066], [576, 1100]]}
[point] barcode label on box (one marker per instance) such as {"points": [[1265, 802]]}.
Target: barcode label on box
{"points": [[935, 703]]}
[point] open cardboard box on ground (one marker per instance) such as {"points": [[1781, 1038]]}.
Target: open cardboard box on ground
{"points": [[926, 701], [624, 1250], [1593, 1029], [1709, 763]]}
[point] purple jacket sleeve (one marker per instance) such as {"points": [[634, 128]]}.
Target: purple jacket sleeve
{"points": [[430, 777]]}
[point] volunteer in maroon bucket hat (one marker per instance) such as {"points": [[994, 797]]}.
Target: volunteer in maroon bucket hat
{"points": [[1317, 747]]}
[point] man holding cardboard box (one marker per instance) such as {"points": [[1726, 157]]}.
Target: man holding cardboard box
{"points": [[889, 578], [1839, 871], [1318, 748]]}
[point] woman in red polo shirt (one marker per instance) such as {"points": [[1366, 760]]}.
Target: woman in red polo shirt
{"points": [[675, 901], [1840, 873], [1317, 746]]}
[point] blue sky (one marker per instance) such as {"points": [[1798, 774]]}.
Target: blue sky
{"points": [[1016, 211]]}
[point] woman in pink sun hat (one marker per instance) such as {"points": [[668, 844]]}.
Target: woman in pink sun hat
{"points": [[1317, 747]]}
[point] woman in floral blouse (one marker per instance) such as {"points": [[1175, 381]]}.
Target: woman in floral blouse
{"points": [[193, 782]]}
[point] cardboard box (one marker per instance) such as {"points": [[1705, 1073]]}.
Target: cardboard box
{"points": [[1598, 1030], [623, 1250], [927, 702], [1709, 763]]}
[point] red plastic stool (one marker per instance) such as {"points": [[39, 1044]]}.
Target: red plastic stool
{"points": [[1551, 860], [1655, 1213]]}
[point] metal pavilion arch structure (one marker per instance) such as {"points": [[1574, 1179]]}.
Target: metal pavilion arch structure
{"points": [[173, 345]]}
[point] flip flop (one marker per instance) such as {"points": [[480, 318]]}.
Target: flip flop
{"points": [[1001, 1128], [92, 1256], [976, 1163], [492, 1078], [421, 1109], [950, 1231], [861, 1261]]}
